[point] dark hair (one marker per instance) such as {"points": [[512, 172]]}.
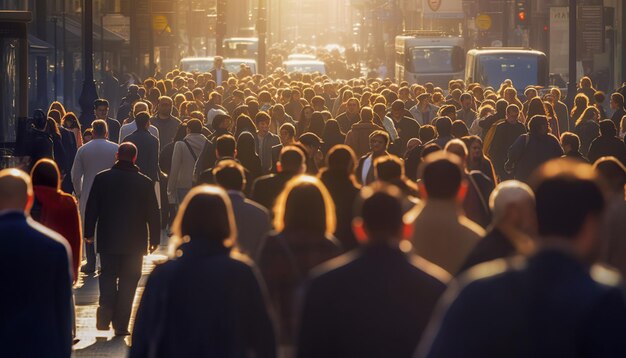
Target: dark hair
{"points": [[262, 117], [225, 145], [441, 174], [380, 207], [618, 98], [191, 220], [380, 133], [612, 171], [430, 148], [70, 121], [55, 115], [444, 126], [244, 124], [291, 158], [305, 192], [194, 125], [142, 119], [229, 175], [538, 125], [127, 151], [536, 107], [571, 139], [397, 105], [607, 128], [246, 150], [341, 158], [100, 102], [566, 193], [427, 133], [218, 120], [317, 124], [46, 173], [459, 129], [289, 128], [99, 128]]}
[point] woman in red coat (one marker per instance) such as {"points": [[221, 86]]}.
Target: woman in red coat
{"points": [[55, 209]]}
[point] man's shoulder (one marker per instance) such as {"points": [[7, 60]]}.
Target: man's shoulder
{"points": [[45, 238]]}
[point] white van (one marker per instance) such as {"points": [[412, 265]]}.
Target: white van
{"points": [[305, 66]]}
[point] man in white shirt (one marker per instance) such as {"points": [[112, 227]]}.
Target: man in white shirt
{"points": [[91, 158]]}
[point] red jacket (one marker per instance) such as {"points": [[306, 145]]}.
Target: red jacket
{"points": [[59, 212]]}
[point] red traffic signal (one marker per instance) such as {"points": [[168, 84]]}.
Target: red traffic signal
{"points": [[521, 16]]}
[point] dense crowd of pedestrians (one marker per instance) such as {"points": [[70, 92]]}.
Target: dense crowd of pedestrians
{"points": [[316, 218]]}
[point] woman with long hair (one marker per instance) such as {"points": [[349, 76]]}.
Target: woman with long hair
{"points": [[248, 157], [206, 301], [55, 209], [339, 179], [304, 120], [58, 106], [317, 124], [581, 102], [553, 119], [71, 123], [304, 220], [244, 124], [332, 135], [587, 128], [476, 159]]}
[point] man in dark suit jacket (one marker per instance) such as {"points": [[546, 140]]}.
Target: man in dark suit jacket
{"points": [[101, 111], [375, 301], [266, 189], [36, 302], [219, 73], [147, 147], [553, 305], [123, 204], [406, 126]]}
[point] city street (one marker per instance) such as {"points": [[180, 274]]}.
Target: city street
{"points": [[94, 343]]}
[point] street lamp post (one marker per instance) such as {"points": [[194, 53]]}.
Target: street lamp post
{"points": [[88, 94]]}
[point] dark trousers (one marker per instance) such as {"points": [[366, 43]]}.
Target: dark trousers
{"points": [[119, 275], [90, 254]]}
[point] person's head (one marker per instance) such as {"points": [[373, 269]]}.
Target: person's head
{"points": [[538, 125], [379, 215], [367, 115], [291, 160], [474, 146], [466, 100], [556, 94], [613, 172], [262, 121], [55, 115], [352, 106], [397, 109], [87, 135], [46, 173], [341, 159], [191, 227], [16, 190], [99, 129], [388, 168], [194, 126], [379, 141], [599, 97], [218, 61], [311, 141], [590, 114], [536, 107], [581, 101], [512, 204], [459, 129], [101, 108], [229, 175], [570, 142], [570, 203], [444, 127], [458, 148], [143, 120], [427, 133], [278, 110], [126, 152], [585, 82], [530, 93], [70, 121], [305, 206], [225, 146], [139, 106], [512, 113], [442, 177], [164, 108], [221, 121], [447, 111], [607, 128], [617, 101], [287, 133]]}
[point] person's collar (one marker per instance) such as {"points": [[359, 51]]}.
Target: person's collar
{"points": [[11, 212], [235, 193], [125, 165]]}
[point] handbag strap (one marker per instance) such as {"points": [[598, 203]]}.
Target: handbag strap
{"points": [[193, 154]]}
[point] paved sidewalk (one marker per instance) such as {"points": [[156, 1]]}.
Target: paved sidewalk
{"points": [[94, 343]]}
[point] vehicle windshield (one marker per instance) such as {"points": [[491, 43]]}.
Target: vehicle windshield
{"points": [[431, 59], [522, 69], [197, 65], [235, 66], [306, 68], [240, 48]]}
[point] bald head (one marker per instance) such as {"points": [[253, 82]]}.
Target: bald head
{"points": [[16, 191], [513, 203], [127, 152]]}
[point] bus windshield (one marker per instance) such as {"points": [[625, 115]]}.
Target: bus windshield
{"points": [[197, 65], [241, 47], [432, 59], [522, 69]]}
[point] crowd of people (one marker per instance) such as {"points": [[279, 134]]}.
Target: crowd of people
{"points": [[309, 217]]}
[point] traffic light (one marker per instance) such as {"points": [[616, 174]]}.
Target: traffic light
{"points": [[522, 13]]}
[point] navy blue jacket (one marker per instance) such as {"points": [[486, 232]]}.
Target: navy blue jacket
{"points": [[36, 300], [147, 152], [549, 306]]}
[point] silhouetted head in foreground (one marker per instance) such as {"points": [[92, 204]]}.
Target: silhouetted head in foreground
{"points": [[16, 191]]}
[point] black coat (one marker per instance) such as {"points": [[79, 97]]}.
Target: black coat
{"points": [[407, 128], [147, 152], [68, 140], [123, 203], [550, 306], [587, 131], [495, 245], [266, 188], [530, 151], [344, 192], [204, 304], [607, 146], [114, 130], [36, 300], [373, 302], [504, 136]]}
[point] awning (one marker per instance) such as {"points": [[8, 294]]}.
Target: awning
{"points": [[74, 32], [35, 44]]}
